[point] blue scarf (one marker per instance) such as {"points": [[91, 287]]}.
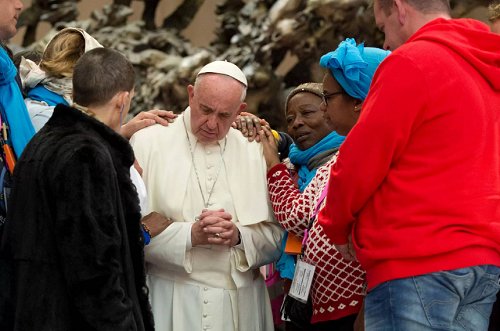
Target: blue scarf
{"points": [[301, 158], [41, 93], [286, 263], [12, 105]]}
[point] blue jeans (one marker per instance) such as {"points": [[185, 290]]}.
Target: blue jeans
{"points": [[459, 299]]}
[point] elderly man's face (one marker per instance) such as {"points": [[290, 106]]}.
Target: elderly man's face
{"points": [[390, 25], [215, 103], [9, 15]]}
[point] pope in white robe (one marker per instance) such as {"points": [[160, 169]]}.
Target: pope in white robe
{"points": [[210, 286]]}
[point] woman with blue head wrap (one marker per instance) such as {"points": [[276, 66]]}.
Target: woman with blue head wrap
{"points": [[350, 71], [337, 288]]}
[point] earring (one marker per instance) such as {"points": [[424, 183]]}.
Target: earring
{"points": [[357, 108]]}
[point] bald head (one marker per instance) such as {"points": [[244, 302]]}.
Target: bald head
{"points": [[424, 6], [400, 19]]}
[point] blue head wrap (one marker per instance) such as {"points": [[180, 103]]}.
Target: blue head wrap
{"points": [[353, 66]]}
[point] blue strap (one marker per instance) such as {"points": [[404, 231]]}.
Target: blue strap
{"points": [[3, 201], [146, 236], [41, 93]]}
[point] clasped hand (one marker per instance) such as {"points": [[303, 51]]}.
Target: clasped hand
{"points": [[214, 227]]}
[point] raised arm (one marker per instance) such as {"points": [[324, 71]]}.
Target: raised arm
{"points": [[292, 208]]}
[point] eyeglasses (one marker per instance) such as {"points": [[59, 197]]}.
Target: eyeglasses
{"points": [[325, 96]]}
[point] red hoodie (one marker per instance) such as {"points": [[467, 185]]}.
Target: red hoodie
{"points": [[417, 181]]}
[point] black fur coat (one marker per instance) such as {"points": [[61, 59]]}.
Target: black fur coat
{"points": [[72, 242]]}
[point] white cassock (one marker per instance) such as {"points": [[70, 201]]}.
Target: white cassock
{"points": [[208, 287]]}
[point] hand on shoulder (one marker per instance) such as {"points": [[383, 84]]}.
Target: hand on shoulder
{"points": [[147, 118], [250, 125]]}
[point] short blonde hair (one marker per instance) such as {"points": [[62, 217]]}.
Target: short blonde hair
{"points": [[62, 52], [494, 10]]}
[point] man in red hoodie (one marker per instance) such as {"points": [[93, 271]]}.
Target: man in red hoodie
{"points": [[415, 192]]}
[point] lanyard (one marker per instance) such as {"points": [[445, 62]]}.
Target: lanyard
{"points": [[313, 217]]}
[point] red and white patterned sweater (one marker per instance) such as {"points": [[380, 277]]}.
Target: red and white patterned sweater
{"points": [[337, 289]]}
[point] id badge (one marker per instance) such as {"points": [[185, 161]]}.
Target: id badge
{"points": [[302, 281]]}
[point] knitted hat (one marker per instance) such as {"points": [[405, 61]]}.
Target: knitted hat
{"points": [[314, 88]]}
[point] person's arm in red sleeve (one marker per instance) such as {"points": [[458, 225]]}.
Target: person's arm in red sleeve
{"points": [[291, 207], [390, 114]]}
